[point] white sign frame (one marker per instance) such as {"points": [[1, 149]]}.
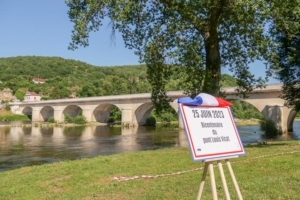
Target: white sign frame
{"points": [[211, 132]]}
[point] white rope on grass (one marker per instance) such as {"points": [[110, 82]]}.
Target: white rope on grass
{"points": [[121, 178]]}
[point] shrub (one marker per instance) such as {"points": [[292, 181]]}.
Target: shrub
{"points": [[151, 121], [115, 113], [269, 127], [167, 115], [79, 119], [7, 107], [111, 120], [51, 120], [68, 119], [20, 95]]}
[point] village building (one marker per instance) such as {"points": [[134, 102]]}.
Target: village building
{"points": [[39, 80], [32, 96]]}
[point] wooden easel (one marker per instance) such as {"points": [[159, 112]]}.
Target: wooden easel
{"points": [[209, 165]]}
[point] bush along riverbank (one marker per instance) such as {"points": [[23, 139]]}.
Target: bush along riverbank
{"points": [[268, 172]]}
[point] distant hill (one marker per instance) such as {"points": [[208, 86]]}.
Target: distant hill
{"points": [[69, 78]]}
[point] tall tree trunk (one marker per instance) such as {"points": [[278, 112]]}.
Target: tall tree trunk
{"points": [[213, 58], [213, 64]]}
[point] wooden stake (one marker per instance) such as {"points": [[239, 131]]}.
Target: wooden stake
{"points": [[236, 186], [209, 166], [213, 181], [223, 180], [202, 181]]}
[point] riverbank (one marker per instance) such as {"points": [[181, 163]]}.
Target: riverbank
{"points": [[266, 172], [238, 122], [246, 122]]}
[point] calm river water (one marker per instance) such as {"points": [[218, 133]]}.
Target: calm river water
{"points": [[25, 146]]}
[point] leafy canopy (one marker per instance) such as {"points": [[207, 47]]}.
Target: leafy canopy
{"points": [[200, 37], [288, 51]]}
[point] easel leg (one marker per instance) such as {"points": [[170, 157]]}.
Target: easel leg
{"points": [[213, 181], [237, 189], [223, 180], [202, 181]]}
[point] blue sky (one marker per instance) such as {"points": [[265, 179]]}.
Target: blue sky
{"points": [[43, 28]]}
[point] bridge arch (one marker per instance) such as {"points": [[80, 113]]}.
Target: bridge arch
{"points": [[253, 103], [46, 113], [143, 112], [102, 112], [244, 105], [28, 112], [72, 111], [290, 120]]}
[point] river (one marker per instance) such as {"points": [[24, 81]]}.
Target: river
{"points": [[25, 146]]}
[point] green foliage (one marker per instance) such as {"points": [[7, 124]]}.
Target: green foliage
{"points": [[115, 114], [228, 81], [166, 115], [289, 63], [7, 107], [269, 128], [51, 120], [14, 117], [68, 119], [197, 37], [150, 121], [20, 95], [65, 77], [244, 110], [111, 120], [85, 80], [79, 119]]}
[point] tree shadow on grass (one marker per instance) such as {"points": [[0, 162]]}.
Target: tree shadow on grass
{"points": [[266, 144]]}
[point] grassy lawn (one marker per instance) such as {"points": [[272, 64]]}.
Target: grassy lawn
{"points": [[9, 116], [269, 171]]}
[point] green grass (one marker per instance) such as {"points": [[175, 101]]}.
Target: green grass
{"points": [[9, 116], [14, 117], [268, 172]]}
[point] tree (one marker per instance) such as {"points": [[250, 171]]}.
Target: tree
{"points": [[87, 91], [289, 61], [199, 36], [288, 52]]}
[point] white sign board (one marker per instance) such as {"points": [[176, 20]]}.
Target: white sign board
{"points": [[211, 132]]}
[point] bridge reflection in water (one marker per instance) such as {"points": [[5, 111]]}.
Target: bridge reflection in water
{"points": [[25, 146]]}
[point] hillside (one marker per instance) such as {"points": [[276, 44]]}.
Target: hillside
{"points": [[66, 78]]}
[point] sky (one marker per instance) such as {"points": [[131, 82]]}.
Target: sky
{"points": [[43, 28]]}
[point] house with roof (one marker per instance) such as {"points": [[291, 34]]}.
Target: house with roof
{"points": [[39, 80], [32, 96]]}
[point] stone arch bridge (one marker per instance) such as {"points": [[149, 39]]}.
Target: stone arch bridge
{"points": [[136, 108]]}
